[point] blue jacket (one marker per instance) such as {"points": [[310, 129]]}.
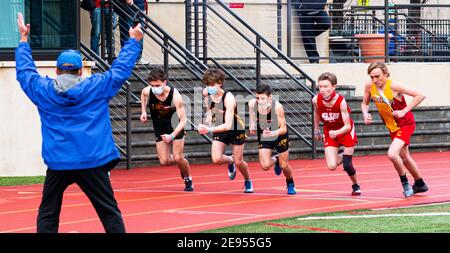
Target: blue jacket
{"points": [[74, 111]]}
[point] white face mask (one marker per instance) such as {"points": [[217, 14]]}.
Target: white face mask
{"points": [[157, 90], [213, 90], [266, 104]]}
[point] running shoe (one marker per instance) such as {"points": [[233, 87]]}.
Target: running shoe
{"points": [[188, 185], [277, 167], [418, 189], [407, 190], [231, 171], [356, 190], [291, 189], [248, 186]]}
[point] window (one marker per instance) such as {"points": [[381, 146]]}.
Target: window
{"points": [[54, 27], [9, 34]]}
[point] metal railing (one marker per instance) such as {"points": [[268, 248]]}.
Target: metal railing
{"points": [[119, 124], [418, 32], [412, 38], [185, 72]]}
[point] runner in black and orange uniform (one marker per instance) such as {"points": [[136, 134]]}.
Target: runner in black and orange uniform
{"points": [[227, 127], [169, 118], [268, 122]]}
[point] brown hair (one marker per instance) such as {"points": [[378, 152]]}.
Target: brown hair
{"points": [[378, 65], [213, 76], [157, 74], [328, 76], [264, 89]]}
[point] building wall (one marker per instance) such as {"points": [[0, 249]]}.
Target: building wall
{"points": [[430, 78], [20, 136], [260, 14], [20, 130], [428, 13]]}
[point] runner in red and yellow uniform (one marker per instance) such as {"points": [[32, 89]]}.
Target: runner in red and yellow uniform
{"points": [[389, 99]]}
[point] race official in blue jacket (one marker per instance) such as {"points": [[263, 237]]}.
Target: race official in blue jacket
{"points": [[77, 142]]}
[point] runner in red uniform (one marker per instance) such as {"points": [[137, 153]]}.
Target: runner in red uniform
{"points": [[332, 110]]}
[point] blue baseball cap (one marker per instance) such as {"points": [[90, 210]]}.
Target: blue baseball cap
{"points": [[69, 60]]}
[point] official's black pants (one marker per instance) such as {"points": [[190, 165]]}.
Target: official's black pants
{"points": [[311, 26], [94, 183]]}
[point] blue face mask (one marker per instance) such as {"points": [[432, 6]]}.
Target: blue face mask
{"points": [[157, 90], [213, 90]]}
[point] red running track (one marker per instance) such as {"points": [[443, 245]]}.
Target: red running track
{"points": [[153, 200]]}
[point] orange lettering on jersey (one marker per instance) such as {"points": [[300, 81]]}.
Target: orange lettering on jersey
{"points": [[283, 142]]}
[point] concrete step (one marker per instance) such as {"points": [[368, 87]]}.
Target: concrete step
{"points": [[439, 118], [432, 130], [303, 110], [148, 145], [203, 157], [176, 70], [423, 112], [283, 87], [143, 143], [421, 124]]}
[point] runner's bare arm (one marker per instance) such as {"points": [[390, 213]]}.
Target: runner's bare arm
{"points": [[418, 97], [345, 118], [252, 114], [317, 134], [230, 104], [179, 105], [144, 101], [365, 104], [282, 128]]}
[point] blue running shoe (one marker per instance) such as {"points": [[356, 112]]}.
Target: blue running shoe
{"points": [[231, 171], [407, 190], [248, 186], [291, 189], [277, 167]]}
